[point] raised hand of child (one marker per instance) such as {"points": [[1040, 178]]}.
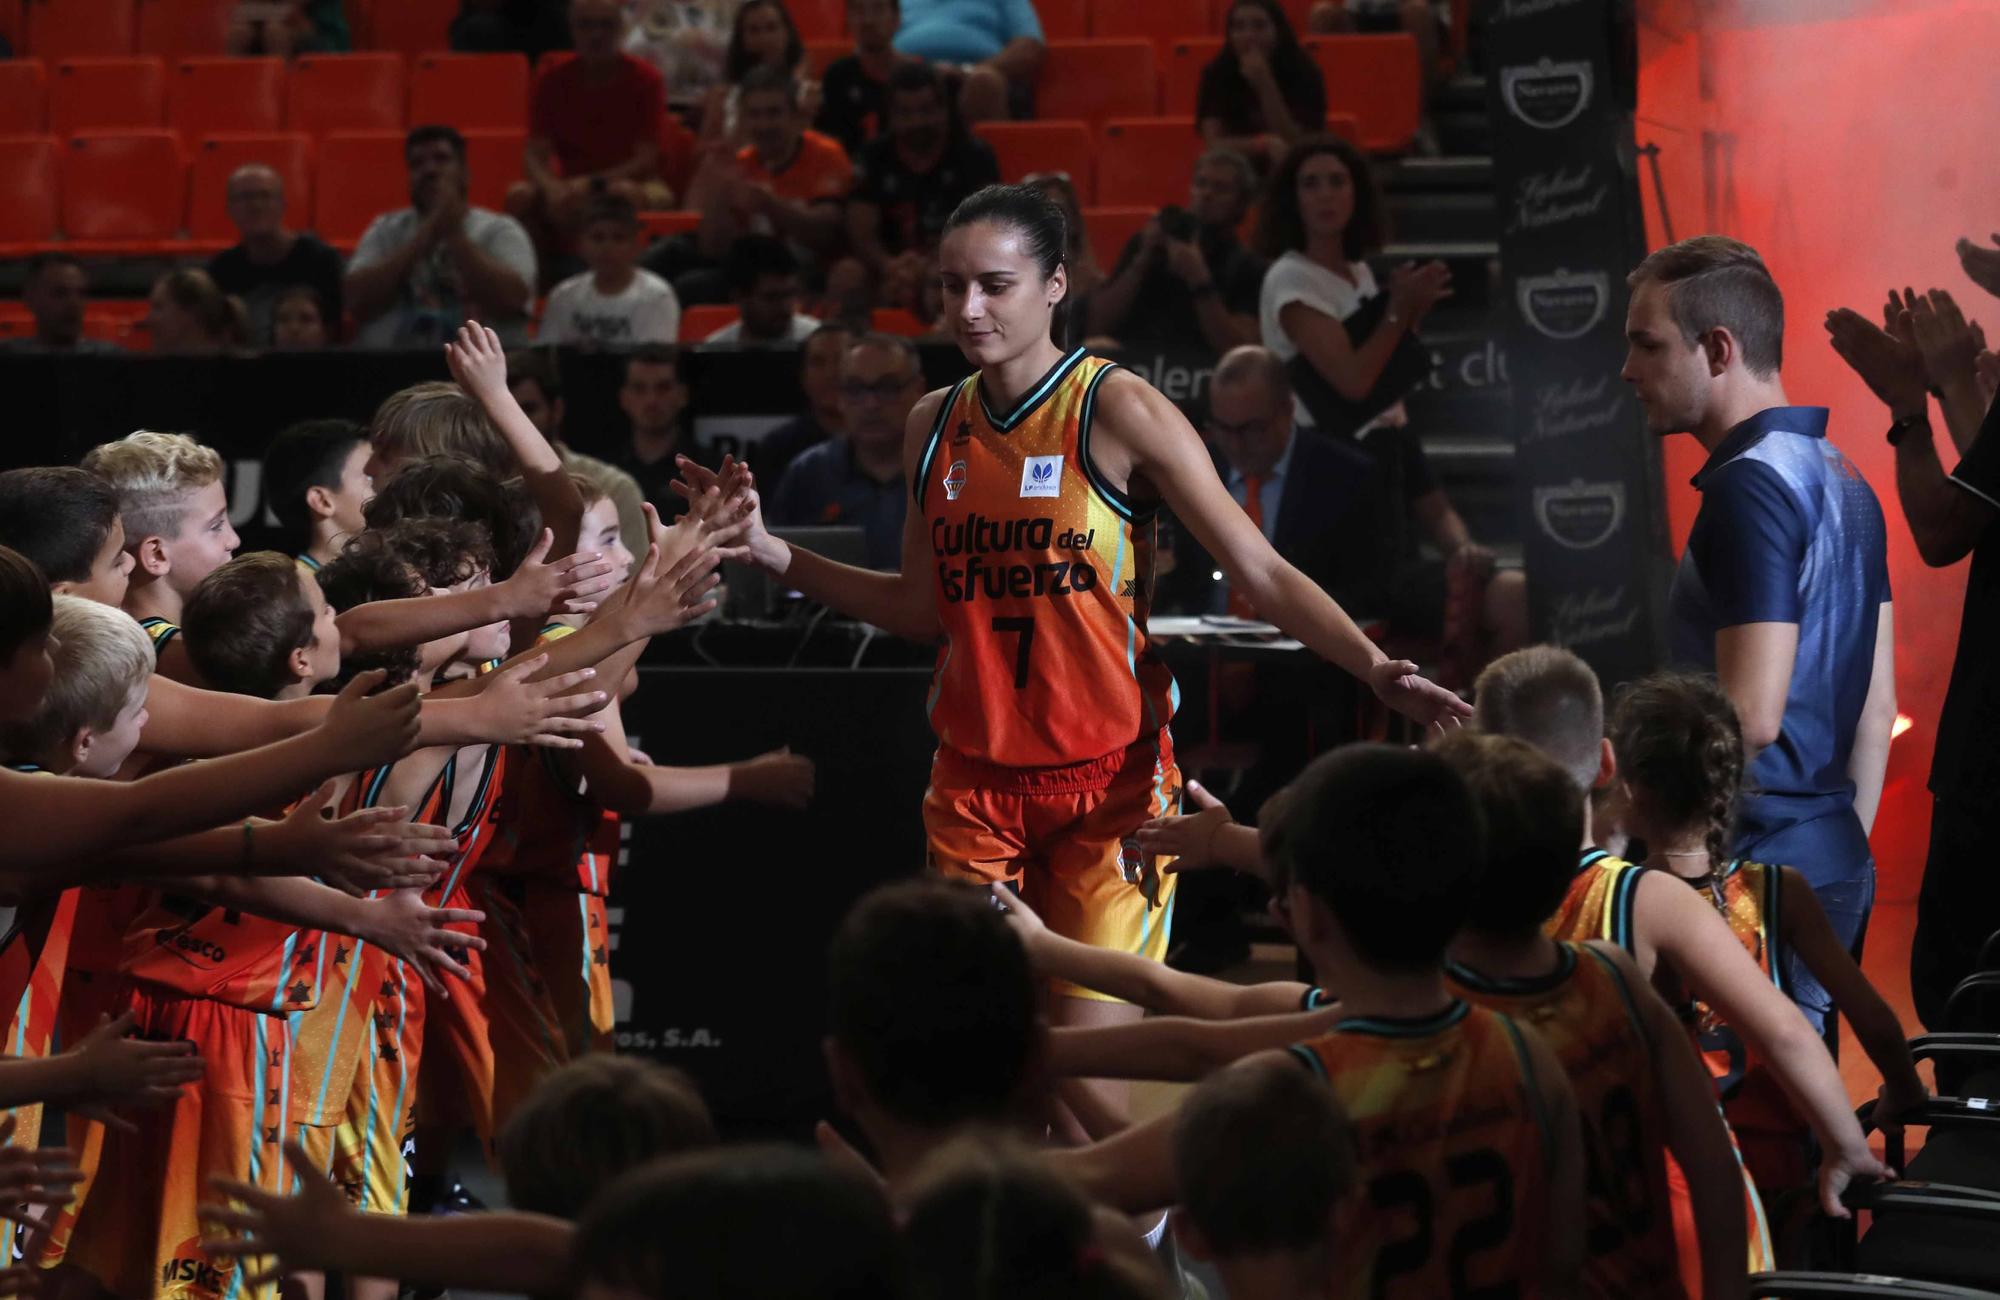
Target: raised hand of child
{"points": [[780, 778], [1187, 838], [118, 1071], [521, 711], [364, 730], [404, 925], [368, 849], [478, 362], [303, 1233], [568, 585]]}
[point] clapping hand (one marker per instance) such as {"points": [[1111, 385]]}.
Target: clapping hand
{"points": [[1948, 344], [1887, 360], [1982, 264]]}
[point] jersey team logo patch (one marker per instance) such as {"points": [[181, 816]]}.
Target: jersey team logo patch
{"points": [[1041, 476], [954, 480]]}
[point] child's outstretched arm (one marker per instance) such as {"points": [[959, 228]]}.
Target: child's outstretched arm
{"points": [[569, 584], [106, 1070], [479, 364], [1176, 1049], [1204, 839], [780, 778]]}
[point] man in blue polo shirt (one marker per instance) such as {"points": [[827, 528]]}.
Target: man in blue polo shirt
{"points": [[1783, 591]]}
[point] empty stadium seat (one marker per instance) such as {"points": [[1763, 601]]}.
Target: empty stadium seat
{"points": [[473, 92], [72, 29], [1147, 161], [1377, 79], [410, 26], [1160, 21], [493, 161], [1046, 146], [210, 95], [1095, 80], [28, 179], [361, 176], [126, 94], [184, 28], [24, 97], [698, 322], [217, 157], [1064, 20], [819, 20], [1110, 228], [346, 92], [123, 192], [663, 225], [1180, 73], [820, 56]]}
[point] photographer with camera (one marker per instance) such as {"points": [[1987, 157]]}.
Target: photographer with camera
{"points": [[1186, 280]]}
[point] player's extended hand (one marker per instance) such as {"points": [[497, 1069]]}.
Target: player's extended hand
{"points": [[736, 504], [1397, 684], [364, 730], [478, 362], [304, 1233], [121, 1071], [570, 584], [521, 711], [370, 848], [407, 927], [780, 777], [1189, 839]]}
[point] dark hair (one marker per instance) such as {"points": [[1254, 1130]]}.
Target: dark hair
{"points": [[1037, 219], [311, 295], [220, 315], [1534, 820], [592, 1120], [1716, 282], [737, 60], [536, 366], [654, 354], [243, 621], [1391, 841], [57, 516], [26, 607], [444, 552], [753, 257], [428, 134], [700, 1227], [306, 455], [905, 350], [933, 1000], [1678, 739], [449, 487], [614, 208], [1289, 60], [41, 262], [764, 79], [1280, 228], [395, 562], [914, 74], [1263, 1153]]}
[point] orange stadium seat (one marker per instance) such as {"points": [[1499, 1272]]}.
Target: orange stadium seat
{"points": [[361, 176], [24, 97], [819, 20], [664, 224], [473, 92], [1379, 79], [1095, 80], [1063, 20], [127, 94], [1110, 228], [71, 29], [1045, 146], [1160, 21], [14, 26], [1147, 160], [346, 92], [1180, 72], [821, 54], [209, 95], [493, 161], [28, 179], [180, 28], [698, 322], [411, 26], [680, 152], [1346, 126], [123, 191], [1296, 10], [897, 320], [217, 157]]}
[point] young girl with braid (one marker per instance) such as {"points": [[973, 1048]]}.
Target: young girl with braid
{"points": [[1680, 761]]}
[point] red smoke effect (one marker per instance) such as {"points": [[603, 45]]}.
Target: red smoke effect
{"points": [[1852, 144]]}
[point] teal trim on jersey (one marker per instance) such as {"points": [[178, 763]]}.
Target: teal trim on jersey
{"points": [[1591, 859], [473, 812], [1520, 986], [937, 681], [929, 457], [583, 921], [1621, 906], [1530, 1085], [1310, 1057], [1314, 998], [1774, 890], [159, 631], [307, 562], [1119, 502], [1402, 1027], [1153, 723], [1625, 995], [1034, 396]]}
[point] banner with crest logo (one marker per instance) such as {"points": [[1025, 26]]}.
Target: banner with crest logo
{"points": [[1586, 471]]}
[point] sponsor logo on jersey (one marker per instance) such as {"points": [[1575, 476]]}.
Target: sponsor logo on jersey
{"points": [[180, 941], [1041, 476], [977, 536], [954, 480]]}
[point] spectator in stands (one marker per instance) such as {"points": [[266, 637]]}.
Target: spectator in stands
{"points": [[593, 128], [532, 27], [421, 272], [764, 284], [820, 359], [763, 38], [1262, 93], [1079, 259], [1429, 21], [615, 303], [991, 49], [655, 400], [684, 40], [187, 312], [854, 99], [537, 385], [786, 181], [55, 292], [289, 27], [300, 320], [908, 181], [1186, 281], [268, 257], [858, 479]]}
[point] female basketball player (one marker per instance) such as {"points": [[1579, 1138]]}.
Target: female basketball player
{"points": [[1028, 552]]}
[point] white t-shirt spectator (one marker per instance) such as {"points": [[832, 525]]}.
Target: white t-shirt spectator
{"points": [[802, 325], [1295, 277], [431, 306], [646, 312]]}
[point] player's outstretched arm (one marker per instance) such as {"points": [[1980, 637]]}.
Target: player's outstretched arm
{"points": [[1177, 1049], [479, 363], [52, 818], [1696, 1134], [1686, 932], [1139, 433]]}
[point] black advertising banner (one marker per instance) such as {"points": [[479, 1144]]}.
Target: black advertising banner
{"points": [[1586, 471]]}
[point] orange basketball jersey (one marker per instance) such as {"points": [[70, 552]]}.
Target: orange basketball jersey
{"points": [[1455, 1151], [205, 951], [1044, 577], [1584, 1011], [1599, 902]]}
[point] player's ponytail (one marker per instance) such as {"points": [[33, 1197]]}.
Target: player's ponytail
{"points": [[1677, 737], [1037, 218]]}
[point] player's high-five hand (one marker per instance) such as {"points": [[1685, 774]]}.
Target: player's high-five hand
{"points": [[1397, 684]]}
